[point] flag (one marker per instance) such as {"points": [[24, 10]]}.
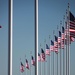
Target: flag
{"points": [[33, 61], [39, 57], [72, 25], [72, 21], [42, 55], [72, 39], [59, 37], [22, 67], [62, 38], [47, 50], [56, 44], [52, 46], [27, 65], [0, 26]]}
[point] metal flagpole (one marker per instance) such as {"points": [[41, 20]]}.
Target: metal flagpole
{"points": [[25, 65], [30, 63], [36, 35], [10, 29], [49, 59], [25, 59], [66, 46], [45, 58], [68, 41], [53, 54], [57, 53], [60, 51], [63, 49], [40, 63]]}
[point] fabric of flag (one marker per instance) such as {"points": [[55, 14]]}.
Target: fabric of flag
{"points": [[72, 25], [42, 55], [59, 37], [72, 39], [62, 38], [72, 21], [47, 50], [56, 44], [0, 26], [52, 46], [27, 65], [39, 57], [33, 61], [22, 67]]}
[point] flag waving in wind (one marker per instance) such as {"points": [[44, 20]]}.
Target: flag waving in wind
{"points": [[42, 55], [59, 40], [52, 46], [62, 38], [47, 50], [27, 65], [72, 25], [22, 67], [32, 61], [39, 57], [56, 44]]}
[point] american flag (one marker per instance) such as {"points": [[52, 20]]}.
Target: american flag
{"points": [[52, 46], [62, 38], [59, 40], [72, 25], [47, 50], [56, 44], [32, 61], [72, 39], [39, 57], [22, 67], [59, 37], [42, 55], [27, 65]]}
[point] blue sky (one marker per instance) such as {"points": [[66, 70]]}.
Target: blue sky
{"points": [[50, 14]]}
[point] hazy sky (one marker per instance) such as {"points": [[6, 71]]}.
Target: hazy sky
{"points": [[50, 14]]}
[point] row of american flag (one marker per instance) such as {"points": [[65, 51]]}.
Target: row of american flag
{"points": [[59, 42], [27, 66]]}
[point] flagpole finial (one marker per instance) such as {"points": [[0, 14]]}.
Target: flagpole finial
{"points": [[49, 36], [57, 26], [20, 59], [40, 44], [64, 17], [25, 55], [45, 40], [30, 52], [53, 32], [68, 5]]}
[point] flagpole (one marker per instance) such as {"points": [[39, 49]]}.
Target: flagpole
{"points": [[53, 53], [20, 64], [68, 41], [30, 63], [57, 53], [40, 63], [10, 30], [66, 47], [25, 59], [63, 50], [49, 59], [36, 35], [45, 58], [60, 51], [25, 64]]}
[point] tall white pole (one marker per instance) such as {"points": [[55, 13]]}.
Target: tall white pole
{"points": [[68, 40], [36, 36], [10, 36]]}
